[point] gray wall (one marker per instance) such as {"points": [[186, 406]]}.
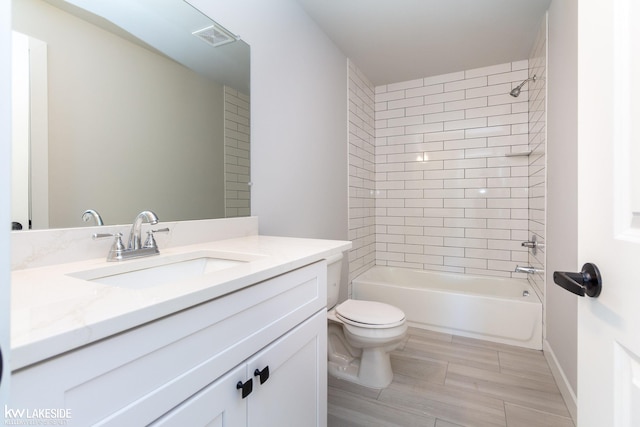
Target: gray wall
{"points": [[562, 189], [298, 118]]}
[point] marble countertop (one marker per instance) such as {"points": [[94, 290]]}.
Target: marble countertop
{"points": [[53, 311]]}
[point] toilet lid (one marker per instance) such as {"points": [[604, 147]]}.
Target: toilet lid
{"points": [[370, 313]]}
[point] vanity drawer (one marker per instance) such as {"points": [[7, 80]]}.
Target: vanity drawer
{"points": [[134, 377]]}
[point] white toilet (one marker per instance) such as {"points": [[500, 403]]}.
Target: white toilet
{"points": [[360, 335]]}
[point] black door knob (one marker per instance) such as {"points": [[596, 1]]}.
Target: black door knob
{"points": [[588, 281]]}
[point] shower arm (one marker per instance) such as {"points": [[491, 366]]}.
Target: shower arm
{"points": [[523, 83]]}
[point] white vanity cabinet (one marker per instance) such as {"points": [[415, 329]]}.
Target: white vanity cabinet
{"points": [[287, 397], [184, 369]]}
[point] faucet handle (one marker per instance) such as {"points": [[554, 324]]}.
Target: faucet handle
{"points": [[115, 253], [151, 241]]}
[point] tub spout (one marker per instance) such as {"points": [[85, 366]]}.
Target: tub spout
{"points": [[528, 270]]}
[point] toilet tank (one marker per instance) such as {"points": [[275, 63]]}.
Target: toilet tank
{"points": [[334, 273]]}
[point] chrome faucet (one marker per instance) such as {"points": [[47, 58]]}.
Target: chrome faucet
{"points": [[528, 270], [90, 213], [135, 249], [135, 239]]}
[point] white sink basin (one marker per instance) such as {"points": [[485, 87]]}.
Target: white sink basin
{"points": [[159, 271]]}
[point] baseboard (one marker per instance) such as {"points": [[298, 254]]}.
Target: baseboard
{"points": [[566, 391]]}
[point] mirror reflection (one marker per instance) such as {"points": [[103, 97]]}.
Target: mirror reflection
{"points": [[124, 109]]}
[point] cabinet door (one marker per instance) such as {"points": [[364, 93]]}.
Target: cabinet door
{"points": [[295, 393], [220, 404]]}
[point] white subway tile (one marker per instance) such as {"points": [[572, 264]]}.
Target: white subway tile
{"points": [[389, 132], [513, 76], [424, 259], [465, 104], [403, 121], [426, 240], [488, 173], [465, 203], [465, 84], [465, 262], [507, 182], [507, 203], [425, 128], [443, 250], [488, 91], [424, 109], [508, 140], [444, 174], [425, 90], [409, 84], [404, 194], [465, 242], [465, 164], [487, 132], [487, 233], [443, 232], [443, 117], [389, 96], [443, 212], [389, 114], [488, 254], [488, 111], [423, 203], [456, 193], [460, 144], [445, 97], [509, 224], [508, 119], [408, 231], [480, 122], [465, 183], [487, 193], [472, 153], [485, 71], [444, 78], [488, 213], [429, 183], [444, 136], [424, 222], [404, 139], [520, 65], [404, 103], [465, 222]]}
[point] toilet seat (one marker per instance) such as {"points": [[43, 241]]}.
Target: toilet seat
{"points": [[369, 314]]}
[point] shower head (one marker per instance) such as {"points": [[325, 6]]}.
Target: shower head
{"points": [[516, 90]]}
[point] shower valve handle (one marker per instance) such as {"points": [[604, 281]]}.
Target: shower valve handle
{"points": [[588, 281]]}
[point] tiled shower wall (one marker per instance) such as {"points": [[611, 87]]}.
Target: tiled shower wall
{"points": [[537, 159], [361, 173], [448, 195], [236, 153]]}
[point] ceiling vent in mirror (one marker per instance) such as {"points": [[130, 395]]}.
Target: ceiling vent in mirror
{"points": [[215, 35]]}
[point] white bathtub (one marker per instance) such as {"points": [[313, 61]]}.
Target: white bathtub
{"points": [[489, 308]]}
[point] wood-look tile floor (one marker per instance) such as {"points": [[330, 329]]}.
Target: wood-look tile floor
{"points": [[442, 380]]}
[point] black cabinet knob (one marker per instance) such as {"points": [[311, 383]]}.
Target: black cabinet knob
{"points": [[246, 387], [588, 281], [264, 374]]}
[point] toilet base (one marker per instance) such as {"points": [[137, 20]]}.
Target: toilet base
{"points": [[369, 367], [373, 370]]}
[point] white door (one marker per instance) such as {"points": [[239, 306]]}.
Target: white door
{"points": [[609, 211]]}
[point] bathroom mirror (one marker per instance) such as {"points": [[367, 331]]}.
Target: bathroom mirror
{"points": [[129, 110]]}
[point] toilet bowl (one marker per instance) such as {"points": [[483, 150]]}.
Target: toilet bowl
{"points": [[361, 334]]}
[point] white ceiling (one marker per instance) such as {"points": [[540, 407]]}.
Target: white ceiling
{"points": [[398, 40]]}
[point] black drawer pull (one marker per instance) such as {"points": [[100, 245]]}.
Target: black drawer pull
{"points": [[264, 374], [246, 387]]}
